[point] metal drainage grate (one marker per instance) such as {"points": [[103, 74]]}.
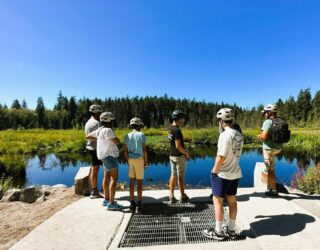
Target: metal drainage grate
{"points": [[168, 224]]}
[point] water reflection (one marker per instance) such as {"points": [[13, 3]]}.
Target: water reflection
{"points": [[53, 169]]}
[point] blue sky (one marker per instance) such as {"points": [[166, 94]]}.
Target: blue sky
{"points": [[247, 52]]}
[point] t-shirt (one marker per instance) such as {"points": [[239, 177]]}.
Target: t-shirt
{"points": [[269, 144], [230, 145], [175, 134], [134, 141], [91, 125], [105, 145]]}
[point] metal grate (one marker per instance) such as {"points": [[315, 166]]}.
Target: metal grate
{"points": [[168, 224]]}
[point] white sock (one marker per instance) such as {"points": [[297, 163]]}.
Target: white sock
{"points": [[232, 225], [219, 226]]}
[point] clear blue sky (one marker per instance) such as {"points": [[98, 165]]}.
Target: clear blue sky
{"points": [[247, 52]]}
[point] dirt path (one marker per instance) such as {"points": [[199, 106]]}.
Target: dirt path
{"points": [[17, 219]]}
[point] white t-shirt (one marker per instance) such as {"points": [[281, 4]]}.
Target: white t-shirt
{"points": [[105, 145], [91, 125], [230, 146]]}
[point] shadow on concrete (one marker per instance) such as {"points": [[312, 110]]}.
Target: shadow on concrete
{"points": [[282, 225]]}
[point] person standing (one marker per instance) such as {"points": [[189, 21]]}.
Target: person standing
{"points": [[178, 156], [270, 148], [91, 147], [108, 152], [225, 175], [135, 152]]}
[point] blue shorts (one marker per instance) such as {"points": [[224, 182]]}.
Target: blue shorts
{"points": [[110, 163], [222, 187]]}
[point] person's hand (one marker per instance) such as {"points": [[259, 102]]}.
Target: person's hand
{"points": [[187, 155]]}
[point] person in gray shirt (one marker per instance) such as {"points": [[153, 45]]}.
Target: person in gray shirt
{"points": [[91, 125]]}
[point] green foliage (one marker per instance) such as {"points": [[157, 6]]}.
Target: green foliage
{"points": [[310, 183], [5, 184]]}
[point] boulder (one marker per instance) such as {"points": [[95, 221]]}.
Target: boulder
{"points": [[12, 195], [30, 194], [82, 181], [45, 190]]}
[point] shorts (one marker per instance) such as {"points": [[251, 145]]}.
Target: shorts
{"points": [[136, 168], [178, 165], [222, 187], [269, 156], [94, 159], [110, 163]]}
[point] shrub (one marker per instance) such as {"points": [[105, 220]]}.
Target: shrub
{"points": [[310, 183]]}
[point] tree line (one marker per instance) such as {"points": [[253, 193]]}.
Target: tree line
{"points": [[304, 110]]}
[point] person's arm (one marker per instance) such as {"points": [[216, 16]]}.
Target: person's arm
{"points": [[126, 151], [90, 137], [263, 135], [145, 154], [180, 148], [218, 163], [115, 140]]}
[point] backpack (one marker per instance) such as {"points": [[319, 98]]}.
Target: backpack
{"points": [[280, 131]]}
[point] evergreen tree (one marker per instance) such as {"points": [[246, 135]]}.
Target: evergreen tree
{"points": [[40, 110], [16, 104]]}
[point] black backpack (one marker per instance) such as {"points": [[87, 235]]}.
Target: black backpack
{"points": [[280, 131]]}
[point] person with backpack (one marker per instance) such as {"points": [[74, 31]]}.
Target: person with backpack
{"points": [[274, 133], [135, 152]]}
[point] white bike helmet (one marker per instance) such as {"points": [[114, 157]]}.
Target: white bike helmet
{"points": [[95, 108], [106, 117], [136, 121], [270, 107], [225, 114]]}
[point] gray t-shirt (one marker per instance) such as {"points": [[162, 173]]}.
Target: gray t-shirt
{"points": [[91, 125], [230, 146]]}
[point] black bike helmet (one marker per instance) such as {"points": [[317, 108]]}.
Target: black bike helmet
{"points": [[177, 115]]}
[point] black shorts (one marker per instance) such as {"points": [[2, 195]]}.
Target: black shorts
{"points": [[222, 187], [94, 159]]}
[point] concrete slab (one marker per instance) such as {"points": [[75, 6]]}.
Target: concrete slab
{"points": [[269, 223]]}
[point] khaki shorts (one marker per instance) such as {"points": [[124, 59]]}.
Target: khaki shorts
{"points": [[136, 168], [178, 165], [269, 155]]}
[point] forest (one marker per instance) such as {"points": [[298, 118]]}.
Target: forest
{"points": [[68, 113]]}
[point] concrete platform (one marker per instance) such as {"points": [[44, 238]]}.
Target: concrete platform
{"points": [[288, 222]]}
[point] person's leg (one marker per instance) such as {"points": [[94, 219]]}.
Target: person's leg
{"points": [[94, 176], [218, 211], [173, 178], [131, 191], [181, 170], [139, 190], [105, 184], [233, 208], [269, 163], [113, 184]]}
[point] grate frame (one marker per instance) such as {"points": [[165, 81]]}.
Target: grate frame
{"points": [[170, 224]]}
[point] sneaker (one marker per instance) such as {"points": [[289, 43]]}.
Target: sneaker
{"points": [[133, 206], [232, 234], [114, 206], [95, 194], [172, 199], [272, 193], [184, 198], [139, 209], [213, 234], [105, 202]]}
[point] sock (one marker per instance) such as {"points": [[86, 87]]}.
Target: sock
{"points": [[232, 225], [219, 226]]}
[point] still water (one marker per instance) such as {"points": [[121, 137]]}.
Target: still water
{"points": [[54, 169]]}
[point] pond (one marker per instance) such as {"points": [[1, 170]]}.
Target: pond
{"points": [[54, 169]]}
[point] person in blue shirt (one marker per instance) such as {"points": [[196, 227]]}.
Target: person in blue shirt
{"points": [[135, 152]]}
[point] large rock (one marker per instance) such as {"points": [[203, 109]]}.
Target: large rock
{"points": [[12, 195], [260, 176], [82, 181], [30, 194], [45, 190], [60, 186]]}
